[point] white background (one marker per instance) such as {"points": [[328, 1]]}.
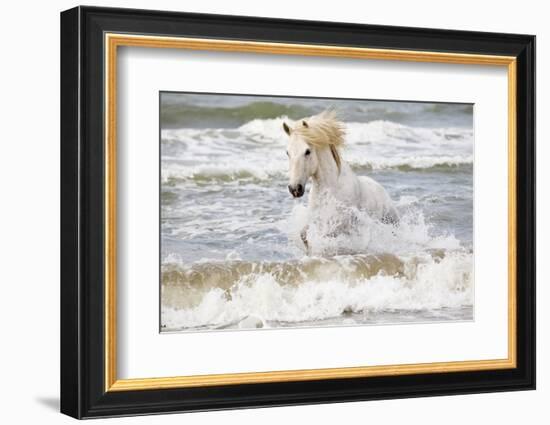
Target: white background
{"points": [[29, 225], [143, 72]]}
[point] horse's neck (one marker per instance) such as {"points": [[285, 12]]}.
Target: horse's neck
{"points": [[327, 174]]}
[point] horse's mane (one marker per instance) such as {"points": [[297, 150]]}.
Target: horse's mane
{"points": [[323, 130]]}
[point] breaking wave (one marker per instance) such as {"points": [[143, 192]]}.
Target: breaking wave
{"points": [[312, 289], [378, 268], [389, 145]]}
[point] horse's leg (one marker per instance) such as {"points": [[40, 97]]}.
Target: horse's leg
{"points": [[390, 217], [303, 236]]}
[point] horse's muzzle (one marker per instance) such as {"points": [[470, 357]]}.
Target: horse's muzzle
{"points": [[297, 191]]}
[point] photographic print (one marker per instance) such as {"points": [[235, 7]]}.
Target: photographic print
{"points": [[280, 212]]}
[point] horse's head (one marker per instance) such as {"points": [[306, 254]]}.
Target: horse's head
{"points": [[302, 156], [307, 140]]}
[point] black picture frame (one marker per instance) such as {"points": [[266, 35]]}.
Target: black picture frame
{"points": [[83, 392]]}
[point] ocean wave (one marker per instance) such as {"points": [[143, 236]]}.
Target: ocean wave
{"points": [[387, 132], [224, 275], [416, 163], [398, 134], [256, 150], [221, 172], [315, 289], [203, 109], [371, 268], [180, 115], [379, 131], [276, 170]]}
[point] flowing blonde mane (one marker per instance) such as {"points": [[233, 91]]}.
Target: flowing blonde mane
{"points": [[323, 130]]}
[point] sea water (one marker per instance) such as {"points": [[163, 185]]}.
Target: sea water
{"points": [[231, 252]]}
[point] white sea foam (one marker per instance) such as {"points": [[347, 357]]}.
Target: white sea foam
{"points": [[329, 232], [256, 149], [402, 135], [433, 284]]}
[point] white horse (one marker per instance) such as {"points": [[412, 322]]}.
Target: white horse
{"points": [[313, 152]]}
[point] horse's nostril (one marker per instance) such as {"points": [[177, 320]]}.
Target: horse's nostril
{"points": [[296, 191]]}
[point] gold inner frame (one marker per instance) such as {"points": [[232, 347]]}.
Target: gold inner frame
{"points": [[113, 41]]}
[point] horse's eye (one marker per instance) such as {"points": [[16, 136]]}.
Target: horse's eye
{"points": [[307, 152], [287, 154]]}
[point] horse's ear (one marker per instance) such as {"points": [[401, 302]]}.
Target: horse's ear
{"points": [[304, 123], [286, 128]]}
